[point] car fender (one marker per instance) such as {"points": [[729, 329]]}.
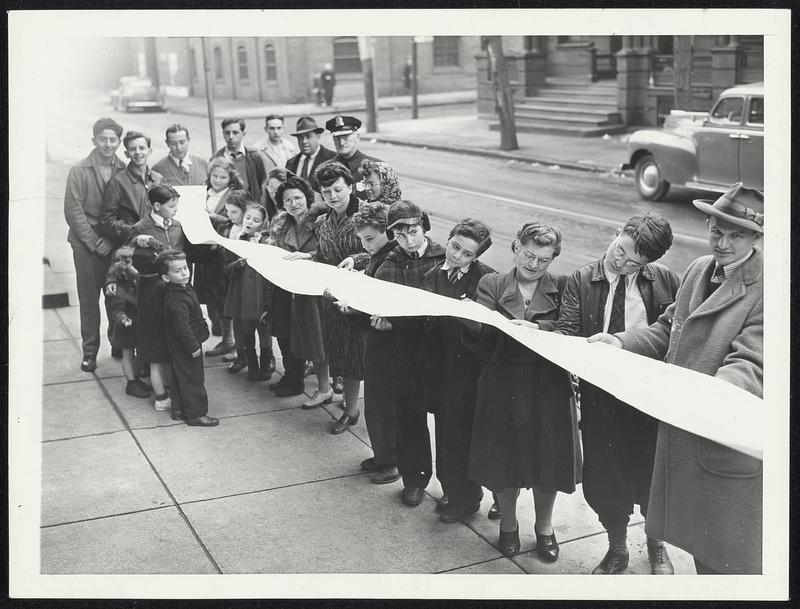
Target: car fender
{"points": [[675, 153]]}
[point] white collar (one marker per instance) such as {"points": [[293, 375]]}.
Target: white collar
{"points": [[185, 160], [462, 270], [730, 268], [161, 222]]}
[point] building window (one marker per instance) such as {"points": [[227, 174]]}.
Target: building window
{"points": [[192, 64], [241, 61], [445, 51], [345, 55], [270, 64], [219, 70]]}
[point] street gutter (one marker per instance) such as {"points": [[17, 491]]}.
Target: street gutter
{"points": [[497, 154]]}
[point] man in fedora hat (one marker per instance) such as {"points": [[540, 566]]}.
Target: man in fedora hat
{"points": [[706, 498], [312, 154], [344, 130]]}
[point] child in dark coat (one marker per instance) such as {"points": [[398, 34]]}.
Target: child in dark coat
{"points": [[248, 298], [120, 298], [156, 232], [185, 330]]}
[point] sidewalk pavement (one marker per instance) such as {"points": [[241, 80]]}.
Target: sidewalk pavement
{"points": [[127, 490], [460, 131]]}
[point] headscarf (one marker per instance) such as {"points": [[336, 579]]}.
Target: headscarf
{"points": [[390, 189]]}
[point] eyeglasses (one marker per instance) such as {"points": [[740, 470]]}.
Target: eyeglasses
{"points": [[534, 259], [621, 254]]}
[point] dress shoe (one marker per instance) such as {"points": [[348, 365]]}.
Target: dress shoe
{"points": [[204, 421], [230, 356], [88, 364], [136, 390], [344, 422], [318, 399], [508, 542], [369, 465], [219, 349], [442, 503], [455, 513], [494, 512], [237, 365], [289, 390], [547, 547], [385, 475], [338, 385], [612, 564], [176, 415], [278, 384], [412, 496], [660, 564], [116, 352]]}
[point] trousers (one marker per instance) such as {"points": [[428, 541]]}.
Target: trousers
{"points": [[379, 399], [453, 439], [619, 444], [90, 276], [187, 384]]}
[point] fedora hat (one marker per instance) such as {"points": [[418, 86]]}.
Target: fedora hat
{"points": [[741, 206], [306, 124]]}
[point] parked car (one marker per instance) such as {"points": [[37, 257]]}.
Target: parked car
{"points": [[136, 92], [705, 151]]}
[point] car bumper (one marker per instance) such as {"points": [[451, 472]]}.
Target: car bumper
{"points": [[143, 104]]}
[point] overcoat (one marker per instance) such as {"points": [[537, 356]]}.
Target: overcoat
{"points": [[706, 498], [525, 427], [323, 154], [125, 202], [248, 291]]}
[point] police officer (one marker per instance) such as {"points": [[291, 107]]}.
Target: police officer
{"points": [[344, 130]]}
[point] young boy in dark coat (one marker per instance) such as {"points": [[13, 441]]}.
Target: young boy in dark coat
{"points": [[185, 330], [406, 264], [447, 376]]}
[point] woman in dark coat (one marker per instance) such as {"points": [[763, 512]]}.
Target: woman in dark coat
{"points": [[337, 240], [525, 431], [297, 318]]}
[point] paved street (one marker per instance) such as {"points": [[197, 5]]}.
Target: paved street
{"points": [[127, 490]]}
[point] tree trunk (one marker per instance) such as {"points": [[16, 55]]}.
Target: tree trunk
{"points": [[504, 99], [682, 72]]}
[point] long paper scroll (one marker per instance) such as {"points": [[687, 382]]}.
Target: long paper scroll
{"points": [[696, 402]]}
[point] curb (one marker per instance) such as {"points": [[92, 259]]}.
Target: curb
{"points": [[322, 111], [497, 154]]}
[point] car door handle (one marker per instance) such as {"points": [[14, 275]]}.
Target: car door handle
{"points": [[734, 136]]}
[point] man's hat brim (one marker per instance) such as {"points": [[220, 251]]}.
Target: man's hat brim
{"points": [[409, 221], [707, 207], [304, 131]]}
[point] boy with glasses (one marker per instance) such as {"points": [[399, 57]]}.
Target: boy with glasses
{"points": [[622, 291]]}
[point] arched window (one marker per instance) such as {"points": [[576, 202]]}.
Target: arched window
{"points": [[345, 55], [219, 70], [446, 51], [270, 63], [241, 62]]}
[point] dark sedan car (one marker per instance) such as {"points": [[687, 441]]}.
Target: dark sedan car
{"points": [[703, 150], [136, 92]]}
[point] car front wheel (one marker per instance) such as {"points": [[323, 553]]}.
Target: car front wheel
{"points": [[649, 181]]}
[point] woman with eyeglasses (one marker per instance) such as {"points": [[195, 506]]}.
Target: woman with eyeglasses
{"points": [[525, 427]]}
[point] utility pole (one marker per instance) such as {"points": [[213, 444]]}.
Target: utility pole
{"points": [[151, 60], [414, 106], [209, 93], [504, 98], [682, 72], [366, 54]]}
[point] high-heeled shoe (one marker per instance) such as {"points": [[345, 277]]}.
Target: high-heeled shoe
{"points": [[344, 422], [547, 547], [509, 542]]}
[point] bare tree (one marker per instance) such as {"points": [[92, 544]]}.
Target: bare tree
{"points": [[503, 96], [682, 72]]}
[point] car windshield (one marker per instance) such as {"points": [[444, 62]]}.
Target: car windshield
{"points": [[138, 84]]}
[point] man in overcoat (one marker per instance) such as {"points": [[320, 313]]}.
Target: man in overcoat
{"points": [[707, 498], [83, 200], [624, 290], [346, 138], [251, 164], [312, 153]]}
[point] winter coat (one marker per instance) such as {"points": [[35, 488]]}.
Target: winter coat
{"points": [[706, 498], [125, 202], [185, 327]]}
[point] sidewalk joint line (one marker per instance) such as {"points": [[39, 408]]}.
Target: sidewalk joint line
{"points": [[480, 562], [104, 517], [160, 479]]}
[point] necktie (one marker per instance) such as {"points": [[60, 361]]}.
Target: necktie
{"points": [[715, 281], [452, 275], [304, 171], [616, 322], [415, 255], [185, 168]]}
